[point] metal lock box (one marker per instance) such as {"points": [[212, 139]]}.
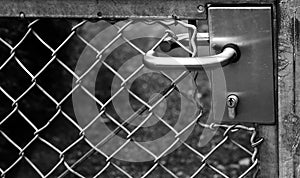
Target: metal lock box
{"points": [[241, 58], [252, 77]]}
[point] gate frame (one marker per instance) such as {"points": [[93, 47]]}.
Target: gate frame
{"points": [[278, 153]]}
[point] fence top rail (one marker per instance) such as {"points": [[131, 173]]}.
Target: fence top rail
{"points": [[181, 9]]}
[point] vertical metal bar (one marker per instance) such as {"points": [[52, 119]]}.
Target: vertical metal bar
{"points": [[288, 104], [269, 151]]}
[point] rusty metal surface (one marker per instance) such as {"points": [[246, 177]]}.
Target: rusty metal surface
{"points": [[288, 89], [252, 77], [113, 9]]}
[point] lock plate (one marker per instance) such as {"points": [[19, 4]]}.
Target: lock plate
{"points": [[252, 77]]}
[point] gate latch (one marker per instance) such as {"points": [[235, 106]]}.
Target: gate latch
{"points": [[240, 42]]}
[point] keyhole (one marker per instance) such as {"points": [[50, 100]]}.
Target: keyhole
{"points": [[231, 102]]}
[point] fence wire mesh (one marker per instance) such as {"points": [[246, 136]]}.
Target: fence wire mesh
{"points": [[39, 133]]}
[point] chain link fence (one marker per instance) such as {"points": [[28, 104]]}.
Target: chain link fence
{"points": [[40, 135]]}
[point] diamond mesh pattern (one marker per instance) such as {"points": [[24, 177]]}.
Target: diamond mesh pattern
{"points": [[75, 157]]}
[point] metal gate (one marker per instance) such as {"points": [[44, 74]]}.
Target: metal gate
{"points": [[78, 101]]}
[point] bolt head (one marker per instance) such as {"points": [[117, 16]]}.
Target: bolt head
{"points": [[200, 8]]}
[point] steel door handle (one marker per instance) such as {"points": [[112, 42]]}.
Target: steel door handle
{"points": [[229, 54]]}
